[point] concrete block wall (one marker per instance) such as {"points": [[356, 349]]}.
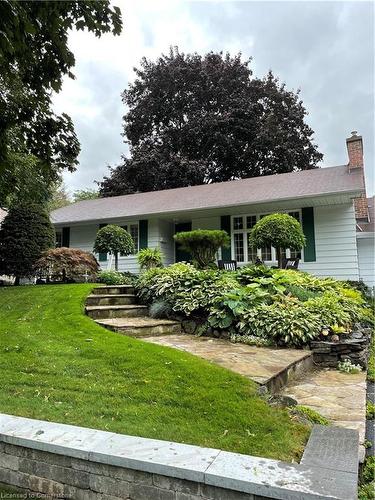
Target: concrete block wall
{"points": [[65, 461]]}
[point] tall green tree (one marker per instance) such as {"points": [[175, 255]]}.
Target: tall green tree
{"points": [[25, 233], [195, 119], [34, 58], [85, 194]]}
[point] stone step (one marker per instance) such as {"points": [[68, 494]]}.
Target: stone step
{"points": [[113, 290], [111, 299], [125, 311], [142, 326]]}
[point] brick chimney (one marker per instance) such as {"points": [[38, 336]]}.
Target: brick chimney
{"points": [[354, 145], [355, 151]]}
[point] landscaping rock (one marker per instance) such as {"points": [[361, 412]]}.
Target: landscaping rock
{"points": [[282, 401], [189, 326], [329, 353]]}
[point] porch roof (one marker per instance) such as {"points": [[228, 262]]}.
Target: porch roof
{"points": [[331, 181]]}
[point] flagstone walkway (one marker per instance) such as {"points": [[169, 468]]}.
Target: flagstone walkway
{"points": [[340, 397], [260, 364]]}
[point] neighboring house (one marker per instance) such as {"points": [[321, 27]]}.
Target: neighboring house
{"points": [[321, 199], [366, 241]]}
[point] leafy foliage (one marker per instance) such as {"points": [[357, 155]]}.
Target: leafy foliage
{"points": [[149, 258], [188, 289], [85, 194], [25, 233], [286, 321], [256, 305], [62, 264], [34, 58], [313, 416], [347, 366], [367, 481], [160, 309], [195, 119], [281, 231], [116, 278], [114, 239], [370, 410], [203, 245]]}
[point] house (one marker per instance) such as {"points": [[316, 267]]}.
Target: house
{"points": [[323, 200], [366, 242]]}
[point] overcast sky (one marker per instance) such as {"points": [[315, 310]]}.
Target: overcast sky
{"points": [[324, 48]]}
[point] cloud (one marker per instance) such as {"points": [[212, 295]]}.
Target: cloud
{"points": [[323, 48]]}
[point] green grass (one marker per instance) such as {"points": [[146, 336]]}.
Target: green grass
{"points": [[58, 365]]}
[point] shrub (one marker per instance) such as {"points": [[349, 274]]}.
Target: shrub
{"points": [[116, 278], [286, 321], [25, 234], [149, 258], [300, 292], [160, 309], [67, 264], [188, 289], [281, 231], [203, 245], [114, 240]]}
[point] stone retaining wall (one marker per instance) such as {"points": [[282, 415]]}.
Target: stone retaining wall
{"points": [[64, 461], [328, 354]]}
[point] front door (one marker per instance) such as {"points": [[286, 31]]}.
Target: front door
{"points": [[181, 255]]}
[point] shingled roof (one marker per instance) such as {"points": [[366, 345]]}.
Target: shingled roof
{"points": [[294, 185]]}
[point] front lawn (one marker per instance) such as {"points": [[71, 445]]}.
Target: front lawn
{"points": [[58, 365]]}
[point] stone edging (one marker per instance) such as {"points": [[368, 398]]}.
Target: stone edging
{"points": [[328, 469]]}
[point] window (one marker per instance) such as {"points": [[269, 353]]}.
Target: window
{"points": [[134, 233], [239, 247], [242, 249], [238, 223]]}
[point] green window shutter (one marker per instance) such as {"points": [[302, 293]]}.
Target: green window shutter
{"points": [[226, 253], [102, 256], [65, 238], [309, 231], [143, 234]]}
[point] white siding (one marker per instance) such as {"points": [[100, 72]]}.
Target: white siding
{"points": [[366, 259], [335, 240]]}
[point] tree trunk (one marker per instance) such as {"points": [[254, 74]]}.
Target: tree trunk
{"points": [[279, 258], [116, 261], [16, 281]]}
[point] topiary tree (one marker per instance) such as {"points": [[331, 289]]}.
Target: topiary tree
{"points": [[149, 258], [67, 264], [203, 244], [25, 233], [280, 231], [114, 240]]}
